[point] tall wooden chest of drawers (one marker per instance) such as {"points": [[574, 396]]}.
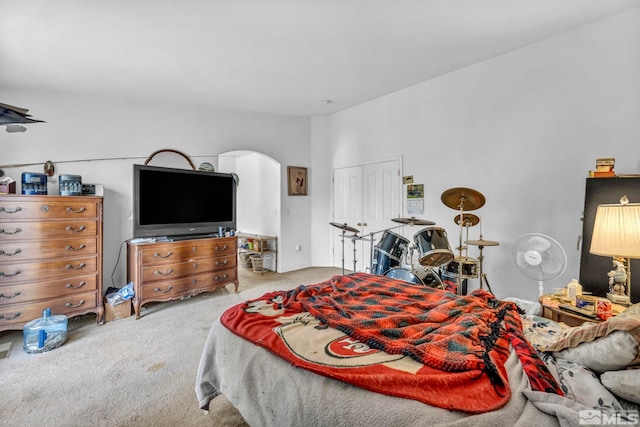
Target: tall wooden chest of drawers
{"points": [[50, 257], [166, 271]]}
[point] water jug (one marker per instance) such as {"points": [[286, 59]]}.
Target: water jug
{"points": [[45, 333]]}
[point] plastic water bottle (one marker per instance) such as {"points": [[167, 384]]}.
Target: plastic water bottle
{"points": [[45, 333], [574, 289]]}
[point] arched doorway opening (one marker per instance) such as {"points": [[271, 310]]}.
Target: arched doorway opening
{"points": [[258, 196]]}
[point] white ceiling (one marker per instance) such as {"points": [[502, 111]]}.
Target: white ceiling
{"points": [[273, 56]]}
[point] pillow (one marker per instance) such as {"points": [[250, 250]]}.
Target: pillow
{"points": [[624, 384], [632, 311], [541, 332], [582, 385], [609, 353]]}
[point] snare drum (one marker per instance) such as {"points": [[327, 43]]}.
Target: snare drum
{"points": [[433, 247], [465, 266], [389, 252]]}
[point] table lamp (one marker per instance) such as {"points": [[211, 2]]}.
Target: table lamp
{"points": [[616, 233]]}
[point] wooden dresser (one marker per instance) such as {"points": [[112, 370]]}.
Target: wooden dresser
{"points": [[166, 271], [50, 257]]}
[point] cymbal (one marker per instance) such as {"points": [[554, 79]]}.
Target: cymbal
{"points": [[464, 198], [345, 227], [467, 219], [413, 221], [482, 242]]}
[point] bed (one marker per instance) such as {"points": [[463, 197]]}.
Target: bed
{"points": [[353, 351]]}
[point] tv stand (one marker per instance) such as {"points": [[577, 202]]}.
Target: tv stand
{"points": [[169, 270]]}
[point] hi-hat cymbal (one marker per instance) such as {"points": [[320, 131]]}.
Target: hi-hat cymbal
{"points": [[468, 220], [465, 198], [413, 221], [345, 227], [482, 242]]}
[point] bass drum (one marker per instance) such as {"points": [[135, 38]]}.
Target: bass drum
{"points": [[433, 247], [465, 266], [389, 252], [419, 276]]}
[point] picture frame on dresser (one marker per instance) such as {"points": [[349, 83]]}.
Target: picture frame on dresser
{"points": [[50, 257]]}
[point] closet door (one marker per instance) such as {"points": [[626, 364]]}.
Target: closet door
{"points": [[594, 268], [365, 197]]}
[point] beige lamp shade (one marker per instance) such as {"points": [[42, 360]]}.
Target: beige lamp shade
{"points": [[616, 230]]}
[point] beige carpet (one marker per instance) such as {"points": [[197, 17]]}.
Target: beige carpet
{"points": [[130, 372]]}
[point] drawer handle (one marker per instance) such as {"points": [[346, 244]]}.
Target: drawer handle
{"points": [[3, 274], [160, 273], [71, 210], [71, 267], [14, 231], [194, 282], [17, 293], [161, 291], [195, 266], [156, 254], [70, 286], [45, 208], [16, 252], [225, 262], [194, 249], [71, 248], [81, 228], [2, 316], [69, 305], [224, 248], [219, 278], [11, 211]]}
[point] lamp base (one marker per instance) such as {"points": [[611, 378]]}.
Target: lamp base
{"points": [[619, 299]]}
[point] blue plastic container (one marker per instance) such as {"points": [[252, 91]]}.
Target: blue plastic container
{"points": [[45, 333]]}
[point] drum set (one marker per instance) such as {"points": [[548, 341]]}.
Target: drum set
{"points": [[393, 255]]}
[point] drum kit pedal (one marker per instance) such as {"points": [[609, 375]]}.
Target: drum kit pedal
{"points": [[394, 253]]}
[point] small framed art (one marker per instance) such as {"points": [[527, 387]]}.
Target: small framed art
{"points": [[297, 181]]}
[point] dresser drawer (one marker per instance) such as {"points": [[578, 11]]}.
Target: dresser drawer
{"points": [[52, 248], [72, 304], [37, 271], [172, 252], [170, 271], [18, 209], [46, 230], [25, 292], [193, 285]]}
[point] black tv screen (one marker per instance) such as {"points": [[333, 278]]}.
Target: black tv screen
{"points": [[179, 202]]}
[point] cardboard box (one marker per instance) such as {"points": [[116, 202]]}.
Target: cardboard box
{"points": [[115, 312]]}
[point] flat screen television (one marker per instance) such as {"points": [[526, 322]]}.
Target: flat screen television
{"points": [[180, 202]]}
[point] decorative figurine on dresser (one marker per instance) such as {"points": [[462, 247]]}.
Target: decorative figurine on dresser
{"points": [[50, 257]]}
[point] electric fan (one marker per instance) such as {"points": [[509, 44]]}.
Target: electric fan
{"points": [[539, 257]]}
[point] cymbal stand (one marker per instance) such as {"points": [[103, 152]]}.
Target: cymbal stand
{"points": [[342, 241], [483, 276], [353, 239], [461, 223]]}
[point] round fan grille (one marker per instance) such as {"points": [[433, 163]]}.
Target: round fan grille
{"points": [[539, 257]]}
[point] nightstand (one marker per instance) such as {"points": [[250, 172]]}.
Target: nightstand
{"points": [[559, 315]]}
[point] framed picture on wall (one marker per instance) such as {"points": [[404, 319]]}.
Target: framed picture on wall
{"points": [[297, 181]]}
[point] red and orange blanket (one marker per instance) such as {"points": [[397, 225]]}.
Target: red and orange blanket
{"points": [[396, 338]]}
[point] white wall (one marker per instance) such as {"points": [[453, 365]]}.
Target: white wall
{"points": [[127, 132], [524, 129]]}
